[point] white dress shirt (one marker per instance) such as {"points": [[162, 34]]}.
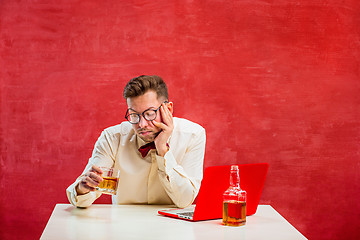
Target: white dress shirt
{"points": [[172, 179]]}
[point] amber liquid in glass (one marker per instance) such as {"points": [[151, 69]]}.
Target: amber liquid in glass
{"points": [[108, 185], [234, 213]]}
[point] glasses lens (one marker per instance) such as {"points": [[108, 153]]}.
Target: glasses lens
{"points": [[150, 115], [133, 118]]}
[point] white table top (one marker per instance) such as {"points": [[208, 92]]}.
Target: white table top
{"points": [[105, 221]]}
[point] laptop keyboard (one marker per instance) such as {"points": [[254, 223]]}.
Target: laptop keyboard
{"points": [[188, 215]]}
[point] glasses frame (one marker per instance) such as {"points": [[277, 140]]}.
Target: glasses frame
{"points": [[127, 114]]}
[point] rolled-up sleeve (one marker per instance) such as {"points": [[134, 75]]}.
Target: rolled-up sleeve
{"points": [[103, 155]]}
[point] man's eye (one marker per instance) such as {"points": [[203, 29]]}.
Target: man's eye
{"points": [[133, 116], [150, 114]]}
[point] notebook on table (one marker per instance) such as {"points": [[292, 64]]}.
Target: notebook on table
{"points": [[215, 181]]}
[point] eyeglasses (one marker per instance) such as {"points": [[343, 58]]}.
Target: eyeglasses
{"points": [[149, 115]]}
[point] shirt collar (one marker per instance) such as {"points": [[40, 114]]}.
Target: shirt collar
{"points": [[139, 141]]}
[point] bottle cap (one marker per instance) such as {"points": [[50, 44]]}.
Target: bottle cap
{"points": [[234, 167]]}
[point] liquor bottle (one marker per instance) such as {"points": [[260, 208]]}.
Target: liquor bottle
{"points": [[234, 201]]}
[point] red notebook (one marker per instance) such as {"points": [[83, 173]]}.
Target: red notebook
{"points": [[215, 181]]}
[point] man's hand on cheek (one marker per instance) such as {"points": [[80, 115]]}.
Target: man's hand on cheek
{"points": [[167, 126]]}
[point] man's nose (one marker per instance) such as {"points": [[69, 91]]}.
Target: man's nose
{"points": [[143, 122]]}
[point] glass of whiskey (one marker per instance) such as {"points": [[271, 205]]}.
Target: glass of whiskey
{"points": [[110, 181]]}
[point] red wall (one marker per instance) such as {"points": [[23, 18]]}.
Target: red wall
{"points": [[271, 81]]}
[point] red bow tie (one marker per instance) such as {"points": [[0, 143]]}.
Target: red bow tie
{"points": [[144, 150]]}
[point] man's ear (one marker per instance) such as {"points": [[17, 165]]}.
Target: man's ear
{"points": [[170, 106]]}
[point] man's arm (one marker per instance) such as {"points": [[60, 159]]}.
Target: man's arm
{"points": [[182, 180], [82, 192]]}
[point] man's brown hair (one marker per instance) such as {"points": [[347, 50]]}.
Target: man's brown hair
{"points": [[140, 85]]}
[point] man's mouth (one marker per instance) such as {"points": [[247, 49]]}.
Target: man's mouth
{"points": [[145, 133]]}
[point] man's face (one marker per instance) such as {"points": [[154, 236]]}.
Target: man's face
{"points": [[145, 129]]}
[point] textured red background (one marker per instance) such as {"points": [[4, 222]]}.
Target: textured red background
{"points": [[271, 81]]}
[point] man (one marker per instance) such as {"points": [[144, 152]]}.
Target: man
{"points": [[170, 173]]}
